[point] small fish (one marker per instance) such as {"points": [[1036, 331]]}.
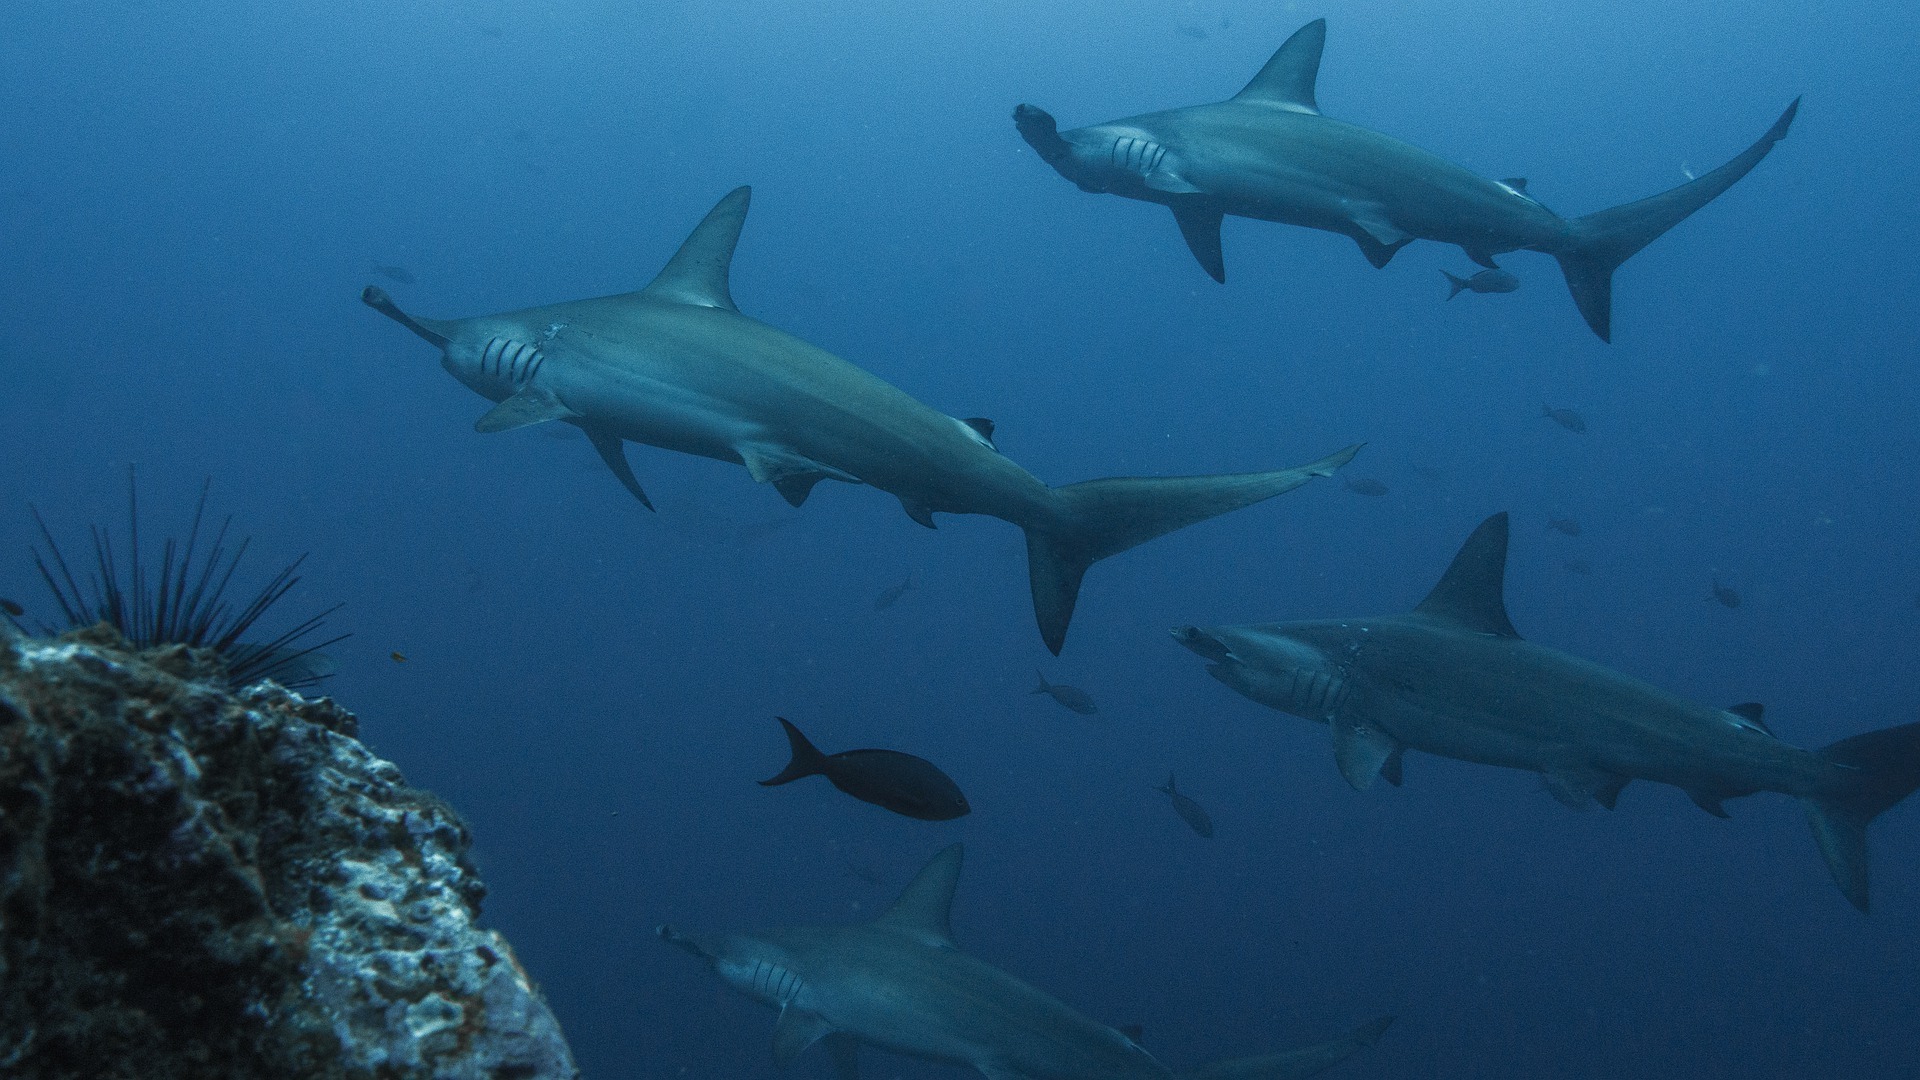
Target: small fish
{"points": [[11, 608], [910, 786], [892, 594], [1565, 525], [394, 273], [1189, 811], [1071, 696], [1724, 594], [1566, 418], [1579, 566], [1365, 485], [398, 658], [1486, 281]]}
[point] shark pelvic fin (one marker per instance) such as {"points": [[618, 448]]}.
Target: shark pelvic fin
{"points": [[534, 405], [613, 452], [769, 464], [1472, 593], [1579, 786], [797, 487], [1377, 253], [920, 512], [1708, 801], [1371, 219], [1199, 221], [1361, 750], [1288, 78], [697, 273], [796, 1030], [924, 910]]}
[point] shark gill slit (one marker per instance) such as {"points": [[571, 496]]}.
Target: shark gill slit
{"points": [[515, 361]]}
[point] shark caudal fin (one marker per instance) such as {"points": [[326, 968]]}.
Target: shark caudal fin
{"points": [[1293, 1064], [1597, 244], [807, 759], [1872, 773], [1100, 518]]}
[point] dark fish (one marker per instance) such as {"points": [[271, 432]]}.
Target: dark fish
{"points": [[891, 594], [398, 658], [11, 608], [902, 783], [1578, 566], [1486, 281], [1189, 811], [1566, 418], [1565, 525], [1366, 485], [1071, 696], [1726, 596], [394, 273]]}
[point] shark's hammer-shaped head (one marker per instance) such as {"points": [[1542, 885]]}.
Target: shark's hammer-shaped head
{"points": [[1298, 668], [753, 965], [1117, 159], [495, 356]]}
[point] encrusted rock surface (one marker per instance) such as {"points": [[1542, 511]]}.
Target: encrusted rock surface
{"points": [[196, 883]]}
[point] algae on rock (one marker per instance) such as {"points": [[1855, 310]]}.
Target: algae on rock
{"points": [[209, 884]]}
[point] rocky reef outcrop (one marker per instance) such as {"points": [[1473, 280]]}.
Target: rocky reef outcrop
{"points": [[204, 883]]}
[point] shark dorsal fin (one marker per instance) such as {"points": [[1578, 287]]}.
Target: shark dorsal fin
{"points": [[1287, 80], [697, 273], [1473, 590], [924, 908]]}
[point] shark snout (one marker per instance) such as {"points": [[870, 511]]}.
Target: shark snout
{"points": [[1038, 128], [1203, 642], [685, 941]]}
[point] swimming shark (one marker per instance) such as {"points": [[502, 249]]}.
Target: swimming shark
{"points": [[676, 365], [1269, 153], [901, 984], [1454, 678]]}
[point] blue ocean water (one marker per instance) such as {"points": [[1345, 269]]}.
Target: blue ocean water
{"points": [[194, 193]]}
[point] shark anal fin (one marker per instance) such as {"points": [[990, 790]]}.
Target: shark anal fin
{"points": [[1708, 801], [1472, 593], [846, 1055], [1287, 80], [613, 452], [1608, 794], [697, 274], [1361, 750], [796, 1030], [534, 405], [924, 910], [1199, 221], [920, 512]]}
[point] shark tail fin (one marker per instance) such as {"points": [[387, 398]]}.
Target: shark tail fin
{"points": [[1293, 1064], [1459, 284], [1101, 518], [807, 759], [1598, 243], [1872, 773]]}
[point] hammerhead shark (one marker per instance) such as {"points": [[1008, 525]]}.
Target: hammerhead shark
{"points": [[1454, 678], [901, 984], [1268, 153], [676, 365]]}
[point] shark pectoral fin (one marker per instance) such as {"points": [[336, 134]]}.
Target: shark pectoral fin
{"points": [[846, 1055], [1166, 178], [797, 1030], [1199, 221], [1391, 770], [1361, 749], [920, 512], [613, 452], [1708, 801], [534, 405], [1377, 253]]}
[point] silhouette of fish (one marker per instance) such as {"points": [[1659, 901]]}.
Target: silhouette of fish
{"points": [[1189, 811], [1486, 281], [1566, 418], [1726, 596], [1565, 525], [907, 785], [1365, 485], [892, 594], [1071, 696]]}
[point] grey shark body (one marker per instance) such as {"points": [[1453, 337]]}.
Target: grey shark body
{"points": [[901, 984], [1268, 153], [677, 366], [1453, 678]]}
